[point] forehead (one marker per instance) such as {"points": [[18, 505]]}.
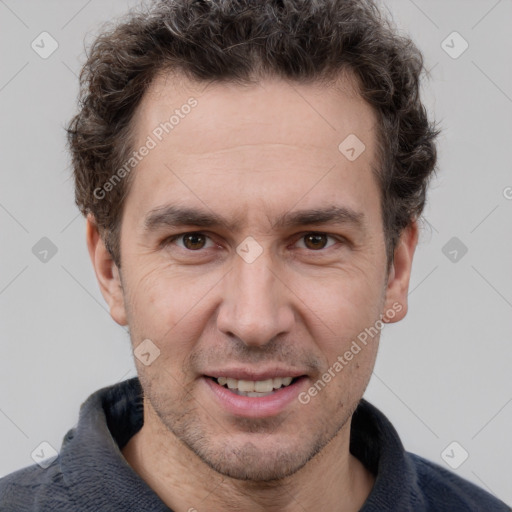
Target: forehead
{"points": [[271, 110], [249, 147]]}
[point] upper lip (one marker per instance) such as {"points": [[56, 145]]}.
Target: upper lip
{"points": [[250, 374]]}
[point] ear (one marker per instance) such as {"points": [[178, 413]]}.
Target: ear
{"points": [[397, 287], [106, 271]]}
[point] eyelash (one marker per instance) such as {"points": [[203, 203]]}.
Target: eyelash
{"points": [[172, 238]]}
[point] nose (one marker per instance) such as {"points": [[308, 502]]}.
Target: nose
{"points": [[257, 304]]}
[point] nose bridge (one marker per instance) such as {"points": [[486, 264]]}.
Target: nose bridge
{"points": [[255, 306]]}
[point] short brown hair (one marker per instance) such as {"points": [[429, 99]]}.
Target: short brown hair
{"points": [[236, 40]]}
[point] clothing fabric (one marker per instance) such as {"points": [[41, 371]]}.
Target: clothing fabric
{"points": [[91, 474]]}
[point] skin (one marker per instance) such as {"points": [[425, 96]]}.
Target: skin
{"points": [[250, 154]]}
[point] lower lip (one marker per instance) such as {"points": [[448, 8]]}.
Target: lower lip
{"points": [[256, 407]]}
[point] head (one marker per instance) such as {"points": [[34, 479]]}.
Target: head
{"points": [[285, 141]]}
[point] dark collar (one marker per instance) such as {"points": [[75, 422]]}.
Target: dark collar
{"points": [[91, 460]]}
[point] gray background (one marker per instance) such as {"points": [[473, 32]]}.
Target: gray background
{"points": [[443, 374]]}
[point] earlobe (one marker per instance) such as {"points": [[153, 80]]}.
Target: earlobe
{"points": [[106, 271], [397, 288]]}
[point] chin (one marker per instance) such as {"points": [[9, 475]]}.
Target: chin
{"points": [[250, 462], [255, 457]]}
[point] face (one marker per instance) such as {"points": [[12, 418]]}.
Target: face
{"points": [[252, 250]]}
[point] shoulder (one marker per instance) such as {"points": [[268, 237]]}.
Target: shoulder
{"points": [[34, 488], [444, 490]]}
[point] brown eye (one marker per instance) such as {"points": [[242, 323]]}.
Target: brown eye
{"points": [[315, 241], [193, 241]]}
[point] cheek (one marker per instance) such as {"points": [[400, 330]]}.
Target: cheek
{"points": [[345, 299], [343, 313], [167, 308], [151, 304], [350, 368]]}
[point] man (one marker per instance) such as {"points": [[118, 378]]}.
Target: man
{"points": [[252, 175]]}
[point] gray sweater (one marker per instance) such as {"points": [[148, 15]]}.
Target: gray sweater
{"points": [[91, 474]]}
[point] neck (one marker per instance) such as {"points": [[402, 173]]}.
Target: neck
{"points": [[333, 480]]}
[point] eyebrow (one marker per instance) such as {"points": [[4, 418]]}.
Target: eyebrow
{"points": [[174, 216]]}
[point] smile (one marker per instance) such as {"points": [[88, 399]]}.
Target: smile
{"points": [[254, 388], [255, 398]]}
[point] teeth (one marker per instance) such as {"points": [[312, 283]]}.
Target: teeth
{"points": [[259, 386], [262, 386], [282, 381], [247, 386]]}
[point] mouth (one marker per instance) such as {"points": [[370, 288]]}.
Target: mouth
{"points": [[254, 389], [266, 397]]}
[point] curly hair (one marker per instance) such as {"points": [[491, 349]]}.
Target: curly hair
{"points": [[242, 41]]}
